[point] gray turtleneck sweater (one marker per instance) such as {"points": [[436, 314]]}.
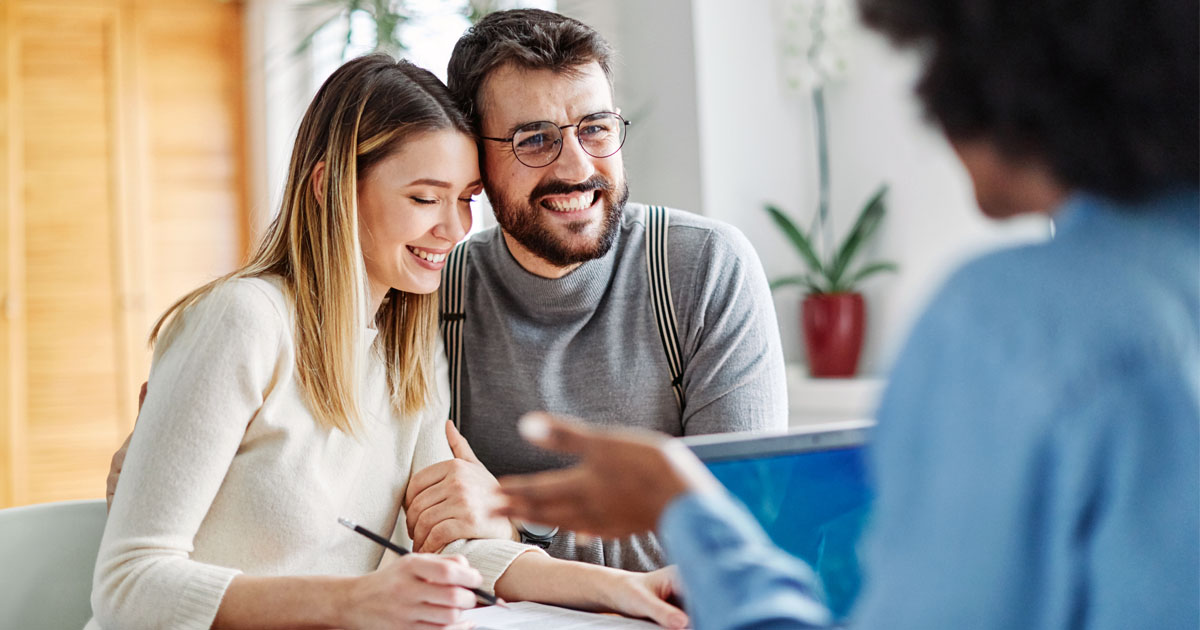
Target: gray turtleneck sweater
{"points": [[587, 345]]}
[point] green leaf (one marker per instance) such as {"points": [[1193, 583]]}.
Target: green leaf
{"points": [[798, 239], [868, 271], [307, 40], [868, 221], [788, 281]]}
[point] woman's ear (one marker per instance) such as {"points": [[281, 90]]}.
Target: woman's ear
{"points": [[318, 183]]}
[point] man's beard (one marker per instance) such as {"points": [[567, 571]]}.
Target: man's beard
{"points": [[524, 221]]}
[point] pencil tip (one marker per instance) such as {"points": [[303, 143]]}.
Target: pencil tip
{"points": [[347, 522]]}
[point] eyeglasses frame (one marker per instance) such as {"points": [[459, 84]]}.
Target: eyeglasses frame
{"points": [[562, 135]]}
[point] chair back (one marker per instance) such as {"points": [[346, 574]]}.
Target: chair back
{"points": [[47, 557]]}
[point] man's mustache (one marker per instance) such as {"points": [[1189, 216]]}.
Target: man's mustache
{"points": [[559, 187]]}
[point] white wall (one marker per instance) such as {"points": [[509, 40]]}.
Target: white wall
{"points": [[655, 84], [715, 131], [279, 86], [756, 145]]}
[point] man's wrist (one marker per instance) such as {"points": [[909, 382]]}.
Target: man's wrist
{"points": [[535, 534]]}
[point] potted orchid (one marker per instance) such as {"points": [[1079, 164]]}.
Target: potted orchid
{"points": [[833, 312], [815, 54]]}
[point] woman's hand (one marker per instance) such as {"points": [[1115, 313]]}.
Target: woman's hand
{"points": [[645, 595], [535, 576], [418, 591]]}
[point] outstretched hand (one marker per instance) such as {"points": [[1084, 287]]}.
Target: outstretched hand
{"points": [[621, 485]]}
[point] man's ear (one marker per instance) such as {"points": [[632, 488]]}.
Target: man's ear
{"points": [[318, 183]]}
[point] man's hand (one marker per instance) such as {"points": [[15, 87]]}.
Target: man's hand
{"points": [[621, 485], [454, 499], [118, 458]]}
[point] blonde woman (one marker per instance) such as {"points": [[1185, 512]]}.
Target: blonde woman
{"points": [[307, 385]]}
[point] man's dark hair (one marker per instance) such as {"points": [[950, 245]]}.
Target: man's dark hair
{"points": [[528, 38], [1104, 92]]}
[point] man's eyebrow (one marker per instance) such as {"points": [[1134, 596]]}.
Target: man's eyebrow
{"points": [[512, 131]]}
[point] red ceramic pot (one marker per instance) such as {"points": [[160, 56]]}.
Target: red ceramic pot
{"points": [[833, 333]]}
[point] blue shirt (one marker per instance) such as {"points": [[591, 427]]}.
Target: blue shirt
{"points": [[1037, 457]]}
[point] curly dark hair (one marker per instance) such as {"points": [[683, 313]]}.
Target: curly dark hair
{"points": [[530, 38], [1105, 92]]}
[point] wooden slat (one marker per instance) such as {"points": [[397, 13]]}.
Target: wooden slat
{"points": [[11, 456], [122, 175], [70, 282], [193, 95]]}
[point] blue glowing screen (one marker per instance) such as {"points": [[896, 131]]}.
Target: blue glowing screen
{"points": [[814, 505]]}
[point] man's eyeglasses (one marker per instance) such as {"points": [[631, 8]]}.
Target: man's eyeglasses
{"points": [[538, 144]]}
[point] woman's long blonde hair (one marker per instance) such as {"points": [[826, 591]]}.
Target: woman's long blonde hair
{"points": [[360, 116]]}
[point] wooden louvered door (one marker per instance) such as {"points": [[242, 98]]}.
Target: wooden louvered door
{"points": [[122, 189]]}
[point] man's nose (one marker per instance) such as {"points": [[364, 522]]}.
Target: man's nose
{"points": [[573, 164]]}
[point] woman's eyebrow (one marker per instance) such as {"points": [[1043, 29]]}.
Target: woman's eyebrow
{"points": [[429, 182]]}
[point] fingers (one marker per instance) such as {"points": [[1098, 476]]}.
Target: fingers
{"points": [[554, 433], [544, 487], [436, 570], [458, 444], [648, 599], [442, 604], [441, 616], [553, 498], [426, 477], [114, 470], [661, 612], [446, 596], [415, 511], [447, 532], [142, 396], [429, 519], [566, 516]]}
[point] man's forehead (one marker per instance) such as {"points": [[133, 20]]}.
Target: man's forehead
{"points": [[513, 95]]}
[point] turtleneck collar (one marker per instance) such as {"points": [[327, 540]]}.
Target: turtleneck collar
{"points": [[552, 299]]}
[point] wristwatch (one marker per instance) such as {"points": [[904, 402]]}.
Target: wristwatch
{"points": [[536, 534]]}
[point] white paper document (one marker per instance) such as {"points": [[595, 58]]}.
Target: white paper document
{"points": [[531, 616]]}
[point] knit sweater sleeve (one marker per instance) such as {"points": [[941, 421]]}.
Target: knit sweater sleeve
{"points": [[491, 557], [733, 375], [206, 384]]}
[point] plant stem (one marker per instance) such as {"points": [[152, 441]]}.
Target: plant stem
{"points": [[822, 224]]}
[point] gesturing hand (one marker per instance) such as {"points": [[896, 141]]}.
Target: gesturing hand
{"points": [[454, 499], [620, 486]]}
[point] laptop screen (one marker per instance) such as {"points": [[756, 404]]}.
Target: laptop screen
{"points": [[809, 491]]}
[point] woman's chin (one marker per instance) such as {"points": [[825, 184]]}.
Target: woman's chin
{"points": [[419, 286]]}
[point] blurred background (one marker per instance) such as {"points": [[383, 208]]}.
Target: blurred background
{"points": [[145, 144]]}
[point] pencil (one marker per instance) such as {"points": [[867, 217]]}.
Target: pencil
{"points": [[483, 596]]}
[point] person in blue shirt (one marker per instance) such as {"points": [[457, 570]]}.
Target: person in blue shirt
{"points": [[1037, 454]]}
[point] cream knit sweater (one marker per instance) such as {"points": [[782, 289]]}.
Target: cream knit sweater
{"points": [[228, 471]]}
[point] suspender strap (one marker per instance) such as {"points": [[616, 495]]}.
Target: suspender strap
{"points": [[451, 315], [660, 295]]}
